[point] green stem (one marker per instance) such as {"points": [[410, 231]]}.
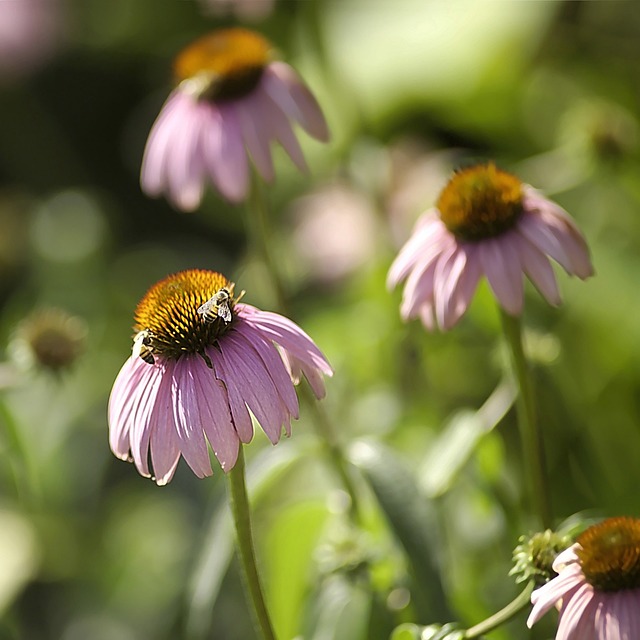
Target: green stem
{"points": [[532, 443], [502, 616], [244, 539], [21, 463], [258, 224]]}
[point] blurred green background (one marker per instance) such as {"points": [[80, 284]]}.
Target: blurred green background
{"points": [[411, 90]]}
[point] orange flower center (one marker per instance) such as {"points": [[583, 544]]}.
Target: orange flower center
{"points": [[480, 202], [172, 317], [610, 554], [223, 65]]}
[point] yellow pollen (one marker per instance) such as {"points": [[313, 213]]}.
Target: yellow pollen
{"points": [[480, 202], [223, 65], [168, 312], [610, 554]]}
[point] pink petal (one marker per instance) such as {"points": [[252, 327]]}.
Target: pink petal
{"points": [[274, 365], [257, 134], [449, 269], [276, 126], [148, 391], [297, 368], [536, 265], [215, 415], [286, 89], [185, 168], [427, 315], [224, 153], [122, 406], [165, 452], [239, 413], [254, 384], [186, 415], [466, 287], [501, 265], [287, 334], [426, 235], [157, 150], [548, 595], [577, 617]]}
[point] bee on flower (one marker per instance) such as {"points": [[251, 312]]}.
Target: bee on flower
{"points": [[192, 379]]}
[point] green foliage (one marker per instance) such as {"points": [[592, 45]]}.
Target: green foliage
{"points": [[411, 90]]}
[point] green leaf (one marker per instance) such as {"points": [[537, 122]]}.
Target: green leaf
{"points": [[288, 562], [340, 611], [411, 517], [459, 438]]}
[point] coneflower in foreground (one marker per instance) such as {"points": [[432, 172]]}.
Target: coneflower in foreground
{"points": [[202, 363], [231, 101], [486, 222], [597, 589]]}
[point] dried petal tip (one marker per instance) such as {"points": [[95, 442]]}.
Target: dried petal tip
{"points": [[610, 554], [49, 339], [480, 202], [534, 556]]}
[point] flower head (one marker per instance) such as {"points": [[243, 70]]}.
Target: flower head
{"points": [[534, 555], [49, 339], [202, 363], [486, 222], [597, 590], [29, 33], [231, 101]]}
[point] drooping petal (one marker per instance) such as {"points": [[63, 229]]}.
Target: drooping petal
{"points": [[254, 384], [546, 597], [215, 415], [257, 135], [274, 365], [157, 150], [122, 406], [148, 392], [420, 283], [572, 242], [184, 165], [537, 266], [287, 334], [501, 265], [298, 368], [448, 271], [239, 413], [424, 239], [224, 153], [187, 416], [467, 284], [288, 91], [163, 444], [577, 616]]}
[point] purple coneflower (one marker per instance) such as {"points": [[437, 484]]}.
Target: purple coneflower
{"points": [[201, 363], [597, 590], [486, 222], [231, 101]]}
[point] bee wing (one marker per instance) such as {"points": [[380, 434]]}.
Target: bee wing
{"points": [[224, 312], [204, 309]]}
